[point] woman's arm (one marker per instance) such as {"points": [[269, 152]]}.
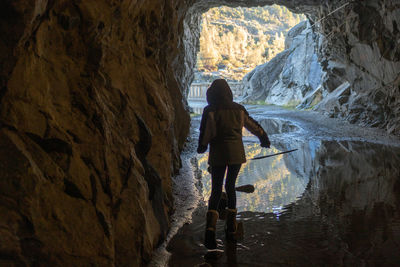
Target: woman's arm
{"points": [[255, 128]]}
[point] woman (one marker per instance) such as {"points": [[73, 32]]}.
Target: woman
{"points": [[221, 127]]}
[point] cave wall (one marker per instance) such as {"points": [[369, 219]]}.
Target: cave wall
{"points": [[92, 121], [361, 54]]}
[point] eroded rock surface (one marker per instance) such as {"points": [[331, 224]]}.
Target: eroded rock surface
{"points": [[360, 54], [292, 77], [92, 122], [362, 49]]}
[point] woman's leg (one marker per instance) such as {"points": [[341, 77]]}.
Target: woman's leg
{"points": [[230, 184], [217, 179]]}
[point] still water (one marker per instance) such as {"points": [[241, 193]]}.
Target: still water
{"points": [[275, 184], [334, 202]]}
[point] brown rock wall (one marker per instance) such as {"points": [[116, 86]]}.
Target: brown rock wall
{"points": [[91, 129]]}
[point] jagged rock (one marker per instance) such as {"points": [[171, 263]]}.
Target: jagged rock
{"points": [[259, 82], [91, 126], [362, 48], [292, 76], [359, 47], [335, 99]]}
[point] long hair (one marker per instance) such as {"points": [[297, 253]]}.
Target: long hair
{"points": [[219, 93]]}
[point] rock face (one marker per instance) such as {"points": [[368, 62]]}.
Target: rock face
{"points": [[360, 55], [93, 115], [91, 125], [293, 76], [362, 52]]}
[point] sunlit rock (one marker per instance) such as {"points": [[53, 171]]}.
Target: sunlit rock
{"points": [[359, 46], [292, 76]]}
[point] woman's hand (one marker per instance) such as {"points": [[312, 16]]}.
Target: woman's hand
{"points": [[265, 141]]}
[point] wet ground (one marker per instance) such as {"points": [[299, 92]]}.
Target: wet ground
{"points": [[333, 202]]}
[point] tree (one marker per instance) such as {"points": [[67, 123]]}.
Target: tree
{"points": [[236, 38]]}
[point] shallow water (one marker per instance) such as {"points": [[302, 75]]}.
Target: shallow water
{"points": [[331, 203], [275, 184]]}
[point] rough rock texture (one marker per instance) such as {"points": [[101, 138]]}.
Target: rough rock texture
{"points": [[293, 76], [360, 53], [91, 125], [92, 116], [362, 48]]}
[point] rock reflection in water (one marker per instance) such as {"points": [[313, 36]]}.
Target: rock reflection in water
{"points": [[348, 215], [275, 185]]}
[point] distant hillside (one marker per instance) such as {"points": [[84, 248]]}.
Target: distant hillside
{"points": [[235, 40]]}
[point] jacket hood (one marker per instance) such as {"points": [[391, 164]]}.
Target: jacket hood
{"points": [[219, 93]]}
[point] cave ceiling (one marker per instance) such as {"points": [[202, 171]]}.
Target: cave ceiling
{"points": [[303, 6]]}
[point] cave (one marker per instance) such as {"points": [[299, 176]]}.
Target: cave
{"points": [[94, 116]]}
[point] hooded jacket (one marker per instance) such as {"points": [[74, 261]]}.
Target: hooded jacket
{"points": [[221, 127]]}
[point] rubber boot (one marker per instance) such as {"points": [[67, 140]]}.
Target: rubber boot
{"points": [[211, 223], [231, 224]]}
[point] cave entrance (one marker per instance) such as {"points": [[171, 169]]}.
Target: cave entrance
{"points": [[340, 186], [233, 41]]}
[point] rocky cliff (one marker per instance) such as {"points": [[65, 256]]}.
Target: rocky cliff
{"points": [[359, 51], [92, 116], [292, 77]]}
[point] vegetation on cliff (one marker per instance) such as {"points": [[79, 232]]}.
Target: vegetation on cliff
{"points": [[235, 40]]}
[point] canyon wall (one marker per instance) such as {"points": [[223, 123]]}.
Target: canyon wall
{"points": [[93, 117]]}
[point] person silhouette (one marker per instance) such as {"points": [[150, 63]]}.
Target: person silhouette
{"points": [[221, 127]]}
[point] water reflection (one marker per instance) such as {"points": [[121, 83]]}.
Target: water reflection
{"points": [[274, 126], [347, 215], [275, 184]]}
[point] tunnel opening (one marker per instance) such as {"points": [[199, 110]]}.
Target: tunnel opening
{"points": [[233, 41], [335, 172], [332, 79]]}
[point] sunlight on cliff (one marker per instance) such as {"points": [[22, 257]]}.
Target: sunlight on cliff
{"points": [[234, 41]]}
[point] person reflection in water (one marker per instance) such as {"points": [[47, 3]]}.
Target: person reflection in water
{"points": [[221, 127]]}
